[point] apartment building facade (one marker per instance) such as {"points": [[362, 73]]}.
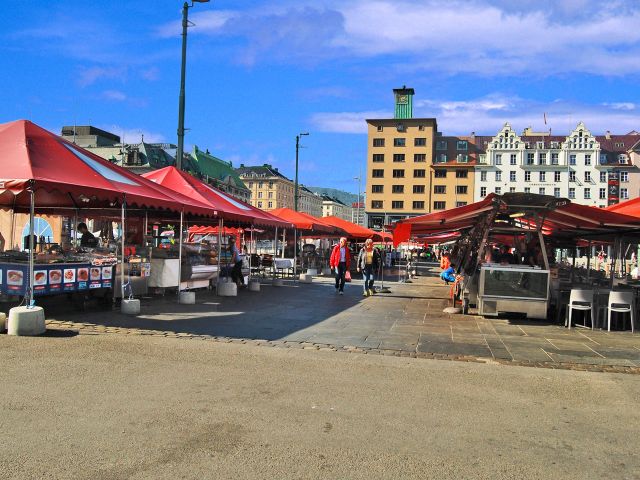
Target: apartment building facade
{"points": [[332, 207], [270, 189], [453, 172], [399, 157], [585, 168]]}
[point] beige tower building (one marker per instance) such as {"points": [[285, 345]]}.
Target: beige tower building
{"points": [[400, 154]]}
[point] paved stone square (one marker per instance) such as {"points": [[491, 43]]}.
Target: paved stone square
{"points": [[407, 321]]}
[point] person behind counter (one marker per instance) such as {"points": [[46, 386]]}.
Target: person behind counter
{"points": [[87, 240], [236, 260]]}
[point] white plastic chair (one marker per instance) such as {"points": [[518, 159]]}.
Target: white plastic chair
{"points": [[582, 300], [621, 302]]}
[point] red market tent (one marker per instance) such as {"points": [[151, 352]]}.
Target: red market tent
{"points": [[228, 207], [353, 231], [630, 207], [305, 222], [65, 176]]}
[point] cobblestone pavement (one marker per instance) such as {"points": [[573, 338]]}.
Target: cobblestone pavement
{"points": [[406, 322]]}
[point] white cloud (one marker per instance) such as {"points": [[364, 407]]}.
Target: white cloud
{"points": [[486, 115], [91, 75], [114, 95], [134, 135]]}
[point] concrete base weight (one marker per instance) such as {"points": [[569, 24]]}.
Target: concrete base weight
{"points": [[187, 298], [130, 306], [3, 321], [26, 321], [227, 289], [306, 278], [254, 286], [326, 272], [312, 271], [278, 282]]}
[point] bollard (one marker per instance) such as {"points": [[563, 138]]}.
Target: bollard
{"points": [[254, 286], [306, 278], [3, 321], [227, 289], [26, 321], [130, 306], [187, 298]]}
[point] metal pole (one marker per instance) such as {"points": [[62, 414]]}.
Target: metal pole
{"points": [[219, 253], [32, 195], [275, 253], [295, 187], [295, 252], [284, 242], [179, 153], [124, 203], [250, 251], [180, 253]]}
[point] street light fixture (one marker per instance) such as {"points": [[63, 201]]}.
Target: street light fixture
{"points": [[295, 188], [358, 178], [185, 24]]}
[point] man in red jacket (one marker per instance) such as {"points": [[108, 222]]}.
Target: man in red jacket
{"points": [[340, 260]]}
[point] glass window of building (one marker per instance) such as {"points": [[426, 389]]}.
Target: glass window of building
{"points": [[419, 157], [624, 194], [399, 142], [530, 158], [556, 192], [441, 145], [418, 189], [419, 173], [512, 176], [624, 176], [587, 159], [483, 176], [603, 177], [572, 176], [554, 159], [439, 173], [399, 173], [498, 159], [397, 189], [461, 189], [462, 174], [439, 205], [377, 173], [527, 189], [397, 204], [498, 176], [378, 142], [587, 176], [439, 189], [587, 193], [543, 176], [542, 158], [376, 203], [418, 205], [419, 142], [483, 191], [541, 190], [513, 159], [572, 193], [556, 176], [378, 157], [377, 188], [572, 159], [398, 157], [527, 176], [498, 190], [461, 145], [602, 193]]}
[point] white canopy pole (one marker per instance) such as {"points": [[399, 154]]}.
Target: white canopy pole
{"points": [[219, 253], [32, 195], [124, 203], [180, 252]]}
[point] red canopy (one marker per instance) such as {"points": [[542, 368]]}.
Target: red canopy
{"points": [[630, 207], [304, 221], [228, 207], [353, 230], [67, 176]]}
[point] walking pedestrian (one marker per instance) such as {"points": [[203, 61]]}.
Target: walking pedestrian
{"points": [[340, 261], [368, 263]]}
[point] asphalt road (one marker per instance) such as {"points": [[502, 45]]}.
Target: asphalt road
{"points": [[134, 407]]}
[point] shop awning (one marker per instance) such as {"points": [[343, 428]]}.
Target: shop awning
{"points": [[305, 222], [353, 231], [228, 207], [630, 207], [66, 176], [522, 212]]}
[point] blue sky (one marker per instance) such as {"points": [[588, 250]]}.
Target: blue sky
{"points": [[259, 72]]}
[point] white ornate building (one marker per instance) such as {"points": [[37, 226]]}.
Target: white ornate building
{"points": [[587, 169]]}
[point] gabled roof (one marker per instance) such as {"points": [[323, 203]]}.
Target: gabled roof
{"points": [[213, 167], [264, 171]]}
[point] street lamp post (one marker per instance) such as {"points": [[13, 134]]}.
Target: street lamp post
{"points": [[185, 25], [359, 177], [295, 188]]}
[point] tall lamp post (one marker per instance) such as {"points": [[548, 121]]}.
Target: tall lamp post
{"points": [[295, 188], [358, 178], [185, 24]]}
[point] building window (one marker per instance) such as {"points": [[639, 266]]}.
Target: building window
{"points": [[377, 188], [556, 192], [419, 173], [603, 159], [460, 204], [441, 158], [527, 189], [439, 189], [397, 204], [441, 145], [622, 159], [270, 195], [439, 205], [397, 189], [250, 184], [461, 189], [556, 176], [440, 173], [572, 193], [483, 176], [498, 190], [398, 173], [376, 203], [461, 145], [419, 157], [483, 191], [530, 158], [462, 174], [498, 176], [418, 189], [554, 159], [513, 159], [624, 193], [527, 176], [419, 142], [375, 173], [259, 184], [270, 205], [512, 176], [542, 158], [512, 189], [572, 176], [378, 157], [572, 159], [380, 128], [541, 191], [398, 157], [462, 158], [399, 142], [587, 193], [543, 176], [602, 193], [498, 159], [587, 159], [378, 142], [259, 204], [259, 194], [418, 205], [624, 176], [587, 177], [421, 128], [603, 177]]}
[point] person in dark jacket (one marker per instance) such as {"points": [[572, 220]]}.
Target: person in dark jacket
{"points": [[368, 264]]}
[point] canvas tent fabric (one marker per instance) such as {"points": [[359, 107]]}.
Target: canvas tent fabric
{"points": [[65, 176], [353, 231], [227, 206], [304, 221]]}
